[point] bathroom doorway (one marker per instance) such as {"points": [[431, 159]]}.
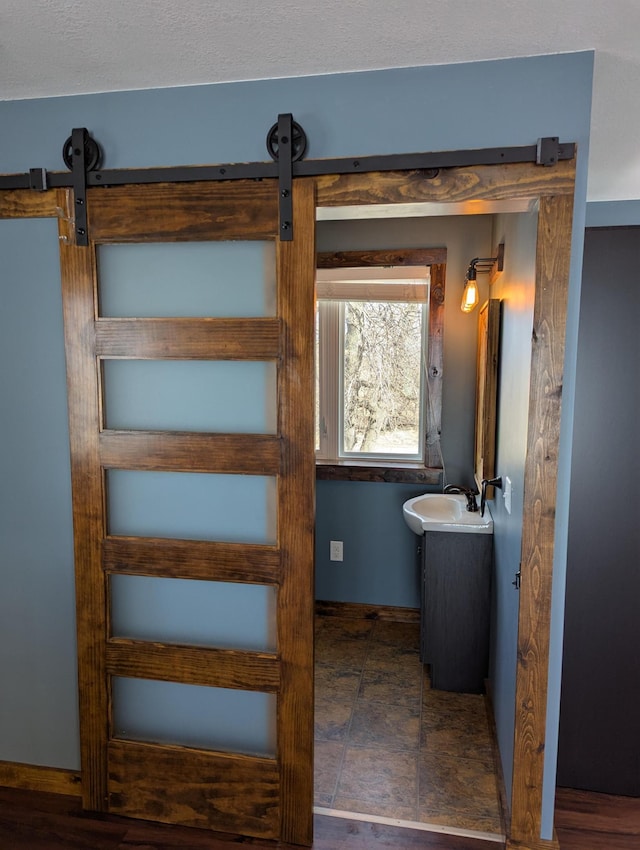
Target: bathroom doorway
{"points": [[388, 745], [524, 810]]}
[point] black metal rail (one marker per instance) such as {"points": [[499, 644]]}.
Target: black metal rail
{"points": [[286, 144]]}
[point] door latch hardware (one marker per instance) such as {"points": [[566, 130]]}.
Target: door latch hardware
{"points": [[516, 582]]}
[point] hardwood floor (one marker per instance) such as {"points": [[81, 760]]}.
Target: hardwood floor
{"points": [[588, 821], [31, 820]]}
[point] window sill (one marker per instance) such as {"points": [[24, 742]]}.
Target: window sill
{"points": [[394, 473]]}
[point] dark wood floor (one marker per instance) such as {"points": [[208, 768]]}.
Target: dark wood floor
{"points": [[32, 820], [588, 821]]}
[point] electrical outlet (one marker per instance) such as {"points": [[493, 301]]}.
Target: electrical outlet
{"points": [[335, 550]]}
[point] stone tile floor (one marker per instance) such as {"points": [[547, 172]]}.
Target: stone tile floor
{"points": [[386, 744]]}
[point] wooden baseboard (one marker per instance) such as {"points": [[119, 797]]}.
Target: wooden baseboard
{"points": [[512, 844], [497, 758], [358, 611], [31, 777]]}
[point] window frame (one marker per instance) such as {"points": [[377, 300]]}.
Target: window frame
{"points": [[372, 469]]}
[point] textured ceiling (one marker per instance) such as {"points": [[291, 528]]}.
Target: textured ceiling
{"points": [[60, 47]]}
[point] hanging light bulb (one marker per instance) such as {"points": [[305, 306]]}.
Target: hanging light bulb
{"points": [[470, 295]]}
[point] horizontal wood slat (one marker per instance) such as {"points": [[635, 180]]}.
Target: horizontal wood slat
{"points": [[248, 563], [189, 339], [360, 611], [33, 777], [242, 209], [381, 257], [25, 203], [480, 182], [363, 291], [225, 792], [192, 665], [251, 454]]}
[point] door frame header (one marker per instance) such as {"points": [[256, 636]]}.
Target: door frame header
{"points": [[286, 145]]}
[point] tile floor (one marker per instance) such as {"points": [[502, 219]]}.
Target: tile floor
{"points": [[385, 743]]}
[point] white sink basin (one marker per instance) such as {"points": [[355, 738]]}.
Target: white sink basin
{"points": [[445, 512]]}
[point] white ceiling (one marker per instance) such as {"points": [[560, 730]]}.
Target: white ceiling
{"points": [[61, 47]]}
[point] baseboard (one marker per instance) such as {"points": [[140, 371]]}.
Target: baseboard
{"points": [[512, 843], [540, 844], [497, 758], [358, 611], [31, 777]]}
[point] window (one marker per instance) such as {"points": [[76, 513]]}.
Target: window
{"points": [[371, 337], [377, 340]]}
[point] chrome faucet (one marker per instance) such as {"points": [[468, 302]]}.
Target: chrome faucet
{"points": [[472, 504]]}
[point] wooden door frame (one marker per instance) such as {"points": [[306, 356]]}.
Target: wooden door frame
{"points": [[553, 188]]}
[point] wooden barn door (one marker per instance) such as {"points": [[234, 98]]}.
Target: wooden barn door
{"points": [[193, 498]]}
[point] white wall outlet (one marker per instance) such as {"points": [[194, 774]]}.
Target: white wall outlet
{"points": [[335, 550], [507, 494]]}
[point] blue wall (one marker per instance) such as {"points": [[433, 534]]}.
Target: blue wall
{"points": [[38, 701], [506, 102]]}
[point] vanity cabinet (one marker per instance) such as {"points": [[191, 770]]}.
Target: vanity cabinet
{"points": [[455, 609]]}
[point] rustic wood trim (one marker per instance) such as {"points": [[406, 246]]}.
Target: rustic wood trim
{"points": [[472, 183], [296, 518], [540, 482], [395, 474], [435, 370], [251, 454], [359, 290], [78, 269], [554, 189], [381, 257], [189, 339], [505, 812], [248, 563], [359, 611], [193, 665], [33, 777], [532, 845], [486, 419], [350, 471], [221, 791], [26, 203], [154, 212]]}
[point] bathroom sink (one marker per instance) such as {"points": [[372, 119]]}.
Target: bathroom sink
{"points": [[445, 512]]}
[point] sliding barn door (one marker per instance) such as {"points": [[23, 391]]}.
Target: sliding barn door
{"points": [[189, 333]]}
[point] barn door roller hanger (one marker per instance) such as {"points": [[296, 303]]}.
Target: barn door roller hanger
{"points": [[286, 145]]}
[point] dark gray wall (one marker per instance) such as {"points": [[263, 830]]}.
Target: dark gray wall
{"points": [[599, 745]]}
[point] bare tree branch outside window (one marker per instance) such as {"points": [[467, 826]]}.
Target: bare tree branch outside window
{"points": [[381, 377]]}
